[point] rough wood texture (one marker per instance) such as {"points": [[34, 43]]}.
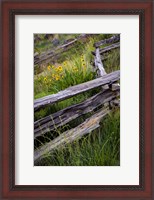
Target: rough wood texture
{"points": [[66, 115], [69, 136], [45, 56], [98, 64], [38, 59], [115, 103], [109, 48], [77, 89], [115, 38], [68, 44]]}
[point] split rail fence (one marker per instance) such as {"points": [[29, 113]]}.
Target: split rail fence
{"points": [[106, 99], [51, 54]]}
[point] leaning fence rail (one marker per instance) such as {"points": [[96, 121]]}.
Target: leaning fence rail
{"points": [[109, 95], [113, 39], [66, 115], [77, 89], [50, 54], [69, 136]]}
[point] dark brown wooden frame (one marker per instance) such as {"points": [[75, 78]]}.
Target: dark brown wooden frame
{"points": [[11, 8]]}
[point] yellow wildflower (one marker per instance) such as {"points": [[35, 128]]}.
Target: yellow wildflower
{"points": [[57, 78], [60, 68], [83, 64], [75, 69], [64, 63], [53, 75], [49, 67]]}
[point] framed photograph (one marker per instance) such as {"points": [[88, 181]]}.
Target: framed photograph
{"points": [[77, 82]]}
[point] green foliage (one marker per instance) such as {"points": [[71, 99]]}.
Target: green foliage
{"points": [[43, 42], [112, 62], [102, 146]]}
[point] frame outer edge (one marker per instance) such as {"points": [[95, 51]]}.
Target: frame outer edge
{"points": [[1, 99], [2, 88], [12, 102], [153, 99]]}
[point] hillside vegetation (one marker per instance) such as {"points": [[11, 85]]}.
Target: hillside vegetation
{"points": [[101, 147]]}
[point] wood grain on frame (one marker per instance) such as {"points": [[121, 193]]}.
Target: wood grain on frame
{"points": [[12, 8]]}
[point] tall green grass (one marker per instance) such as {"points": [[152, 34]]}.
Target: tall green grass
{"points": [[102, 146], [99, 148]]}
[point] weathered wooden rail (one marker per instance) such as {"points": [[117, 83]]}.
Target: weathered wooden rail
{"points": [[77, 89], [45, 57], [98, 64], [115, 38], [66, 115], [69, 136], [109, 95]]}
